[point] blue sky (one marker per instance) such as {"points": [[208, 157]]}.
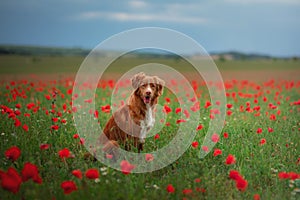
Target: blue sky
{"points": [[251, 26]]}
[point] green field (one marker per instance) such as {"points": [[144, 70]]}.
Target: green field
{"points": [[261, 94]]}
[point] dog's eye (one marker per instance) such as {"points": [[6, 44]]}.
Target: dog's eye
{"points": [[143, 86], [152, 85]]}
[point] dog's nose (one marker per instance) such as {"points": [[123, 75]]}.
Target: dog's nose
{"points": [[148, 93]]}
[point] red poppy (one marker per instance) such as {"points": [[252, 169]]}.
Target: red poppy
{"points": [[170, 188], [68, 186], [259, 130], [149, 157], [48, 97], [54, 127], [199, 127], [270, 130], [230, 160], [75, 136], [13, 153], [262, 141], [25, 127], [168, 100], [156, 136], [235, 175], [64, 153], [217, 152], [283, 175], [197, 180], [187, 191], [256, 197], [195, 144], [207, 104], [18, 105], [167, 109], [17, 122], [229, 105], [215, 138], [126, 167], [44, 146], [77, 173], [241, 184], [177, 110], [105, 109], [92, 174], [225, 135], [10, 180], [180, 121], [205, 148], [30, 171]]}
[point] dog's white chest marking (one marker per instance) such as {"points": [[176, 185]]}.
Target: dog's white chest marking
{"points": [[146, 124]]}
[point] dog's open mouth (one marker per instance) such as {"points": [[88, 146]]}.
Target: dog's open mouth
{"points": [[147, 99]]}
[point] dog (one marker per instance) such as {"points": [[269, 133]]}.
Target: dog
{"points": [[131, 122]]}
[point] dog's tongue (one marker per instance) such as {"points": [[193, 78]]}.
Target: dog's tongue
{"points": [[146, 99]]}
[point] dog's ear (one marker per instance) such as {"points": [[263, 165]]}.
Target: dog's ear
{"points": [[160, 84], [137, 80]]}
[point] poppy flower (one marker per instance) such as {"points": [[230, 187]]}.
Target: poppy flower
{"points": [[241, 184], [195, 144], [180, 121], [168, 100], [64, 153], [156, 136], [256, 197], [10, 180], [68, 186], [54, 127], [149, 157], [262, 141], [92, 174], [77, 173], [177, 110], [197, 180], [205, 148], [13, 153], [217, 152], [230, 160], [270, 130], [215, 138], [126, 167], [170, 188], [167, 109], [235, 175], [225, 135], [199, 127], [44, 146], [187, 191], [283, 175], [229, 105], [48, 97], [259, 130], [25, 127], [30, 171]]}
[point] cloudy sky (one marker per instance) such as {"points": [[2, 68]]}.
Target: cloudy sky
{"points": [[251, 26]]}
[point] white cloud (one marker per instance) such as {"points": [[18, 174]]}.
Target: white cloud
{"points": [[141, 17], [137, 4]]}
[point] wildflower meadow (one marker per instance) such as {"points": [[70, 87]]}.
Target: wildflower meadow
{"points": [[256, 156]]}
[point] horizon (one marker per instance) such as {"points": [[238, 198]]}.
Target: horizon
{"points": [[248, 26]]}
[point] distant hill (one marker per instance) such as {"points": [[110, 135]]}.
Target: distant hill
{"points": [[60, 51], [41, 51]]}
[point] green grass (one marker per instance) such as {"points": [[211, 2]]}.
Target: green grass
{"points": [[258, 164]]}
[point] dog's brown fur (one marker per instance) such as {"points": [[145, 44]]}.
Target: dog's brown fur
{"points": [[125, 124]]}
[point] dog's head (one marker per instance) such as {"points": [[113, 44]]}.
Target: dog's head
{"points": [[148, 88]]}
